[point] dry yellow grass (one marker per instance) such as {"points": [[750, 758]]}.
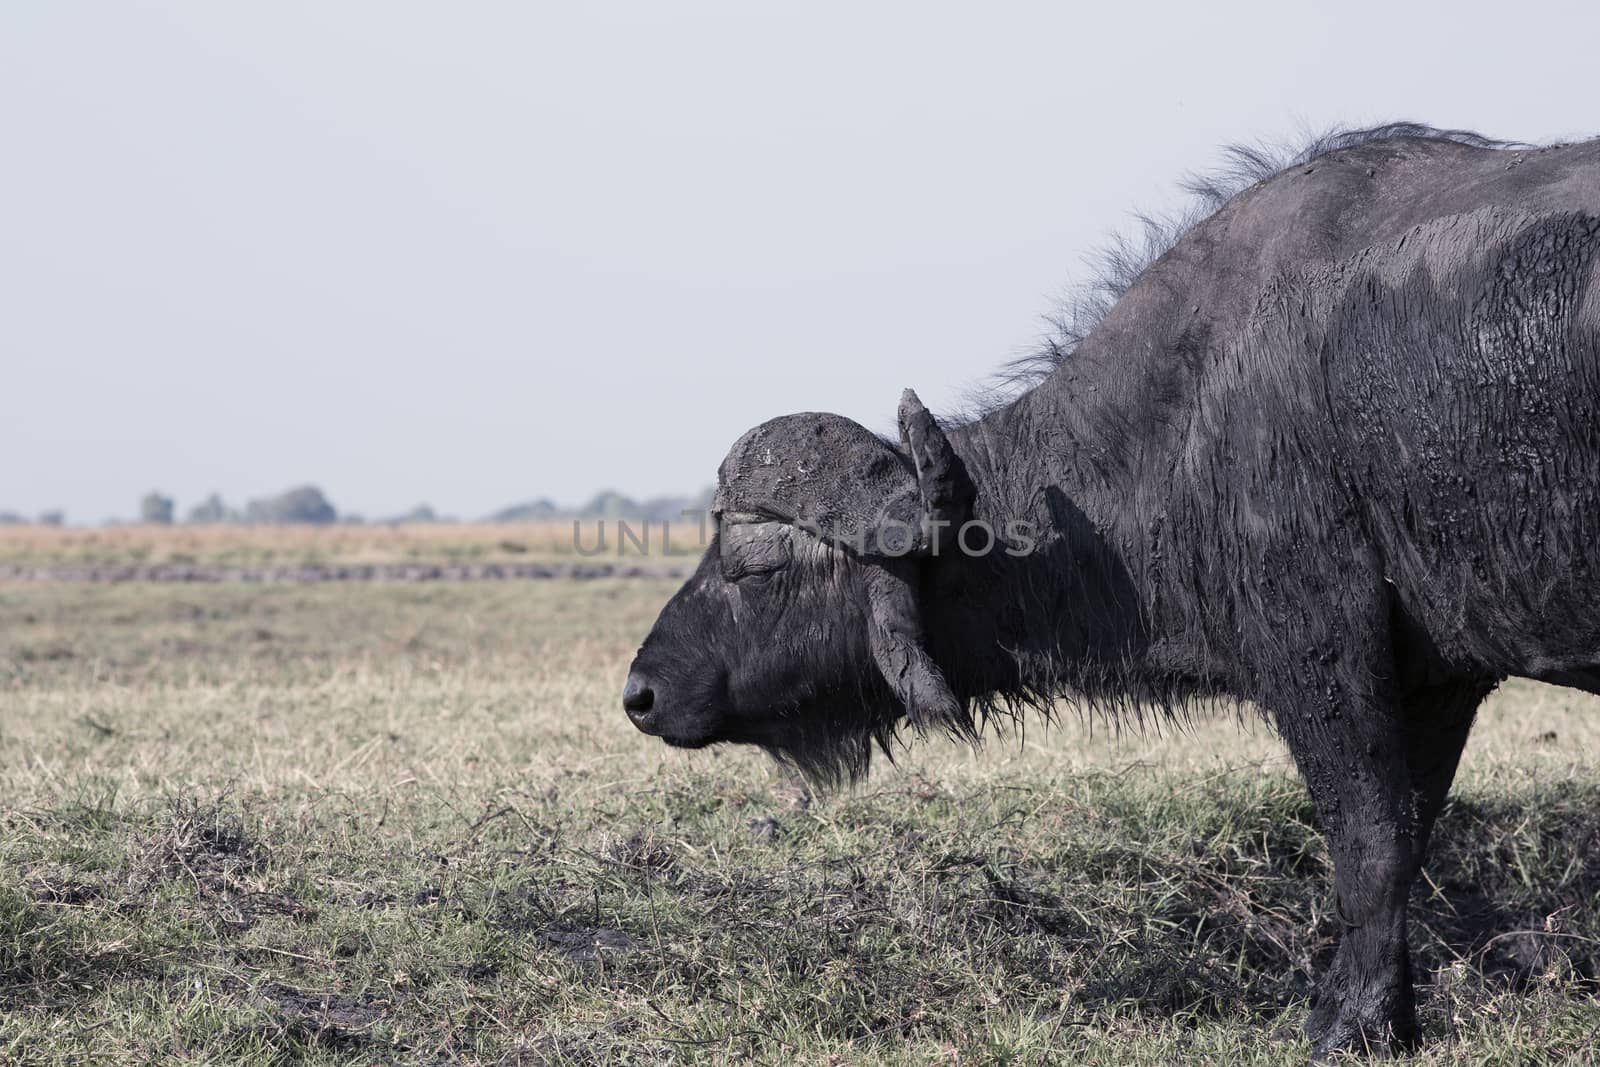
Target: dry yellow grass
{"points": [[241, 545]]}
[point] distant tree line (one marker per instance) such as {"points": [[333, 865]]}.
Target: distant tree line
{"points": [[44, 518], [610, 505], [303, 504], [308, 505]]}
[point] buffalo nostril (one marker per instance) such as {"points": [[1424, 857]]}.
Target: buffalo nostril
{"points": [[637, 697]]}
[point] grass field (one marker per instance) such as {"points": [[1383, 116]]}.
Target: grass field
{"points": [[391, 822]]}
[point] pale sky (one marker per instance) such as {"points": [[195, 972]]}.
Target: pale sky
{"points": [[476, 253]]}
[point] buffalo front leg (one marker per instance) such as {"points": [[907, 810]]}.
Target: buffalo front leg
{"points": [[1354, 759], [1433, 731]]}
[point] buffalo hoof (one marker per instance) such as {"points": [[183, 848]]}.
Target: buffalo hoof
{"points": [[1361, 1038], [1373, 1015], [1377, 1031]]}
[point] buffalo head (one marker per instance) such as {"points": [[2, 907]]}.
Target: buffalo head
{"points": [[801, 629]]}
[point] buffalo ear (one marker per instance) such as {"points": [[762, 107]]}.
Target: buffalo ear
{"points": [[895, 637], [946, 488]]}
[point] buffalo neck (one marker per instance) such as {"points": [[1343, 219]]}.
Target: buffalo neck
{"points": [[1068, 616]]}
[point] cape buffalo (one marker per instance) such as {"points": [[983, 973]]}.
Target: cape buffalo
{"points": [[1335, 452]]}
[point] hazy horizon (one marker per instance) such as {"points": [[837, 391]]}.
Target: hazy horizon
{"points": [[471, 257]]}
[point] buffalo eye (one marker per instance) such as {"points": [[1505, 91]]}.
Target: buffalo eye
{"points": [[751, 549]]}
